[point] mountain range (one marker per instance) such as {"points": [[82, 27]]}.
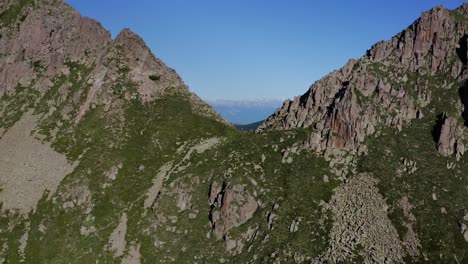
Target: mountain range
{"points": [[245, 111], [107, 157]]}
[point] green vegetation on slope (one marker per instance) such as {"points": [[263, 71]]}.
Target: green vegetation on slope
{"points": [[13, 13], [438, 219], [147, 137], [249, 127]]}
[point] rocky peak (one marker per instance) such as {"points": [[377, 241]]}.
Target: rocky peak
{"points": [[388, 86], [130, 40], [133, 47], [426, 44], [102, 158], [50, 36], [463, 9], [152, 75]]}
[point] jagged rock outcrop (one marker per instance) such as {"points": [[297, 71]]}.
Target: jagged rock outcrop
{"points": [[450, 138], [104, 157], [388, 86], [231, 206], [51, 36], [446, 142], [428, 43], [142, 64]]}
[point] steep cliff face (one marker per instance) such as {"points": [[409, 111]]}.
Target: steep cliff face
{"points": [[389, 86]]}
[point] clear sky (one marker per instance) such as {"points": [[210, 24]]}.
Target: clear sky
{"points": [[247, 49]]}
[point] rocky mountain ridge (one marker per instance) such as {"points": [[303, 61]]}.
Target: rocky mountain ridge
{"points": [[106, 156], [51, 35], [389, 86]]}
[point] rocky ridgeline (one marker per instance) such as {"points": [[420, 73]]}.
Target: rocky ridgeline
{"points": [[132, 181], [50, 35], [388, 86]]}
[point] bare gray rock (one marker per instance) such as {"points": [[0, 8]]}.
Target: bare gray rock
{"points": [[183, 196], [53, 34], [451, 138], [233, 206], [117, 243], [28, 167], [447, 139], [360, 218], [134, 255]]}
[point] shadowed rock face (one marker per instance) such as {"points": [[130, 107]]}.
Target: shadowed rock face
{"points": [[337, 106]]}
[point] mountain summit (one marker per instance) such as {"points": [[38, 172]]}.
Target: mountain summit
{"points": [[389, 86], [45, 40], [107, 157]]}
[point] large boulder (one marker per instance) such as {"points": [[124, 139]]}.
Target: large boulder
{"points": [[450, 138], [232, 205]]}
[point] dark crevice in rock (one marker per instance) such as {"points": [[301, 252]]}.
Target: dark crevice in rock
{"points": [[463, 49], [463, 93], [338, 96], [437, 128], [303, 99]]}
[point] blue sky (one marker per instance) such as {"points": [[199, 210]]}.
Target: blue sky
{"points": [[247, 49]]}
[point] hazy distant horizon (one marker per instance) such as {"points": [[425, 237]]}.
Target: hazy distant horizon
{"points": [[246, 111]]}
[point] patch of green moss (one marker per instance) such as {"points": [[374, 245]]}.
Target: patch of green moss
{"points": [[15, 12], [14, 105], [59, 107], [459, 17]]}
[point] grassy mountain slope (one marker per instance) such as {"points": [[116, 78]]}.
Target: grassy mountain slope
{"points": [[157, 177]]}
